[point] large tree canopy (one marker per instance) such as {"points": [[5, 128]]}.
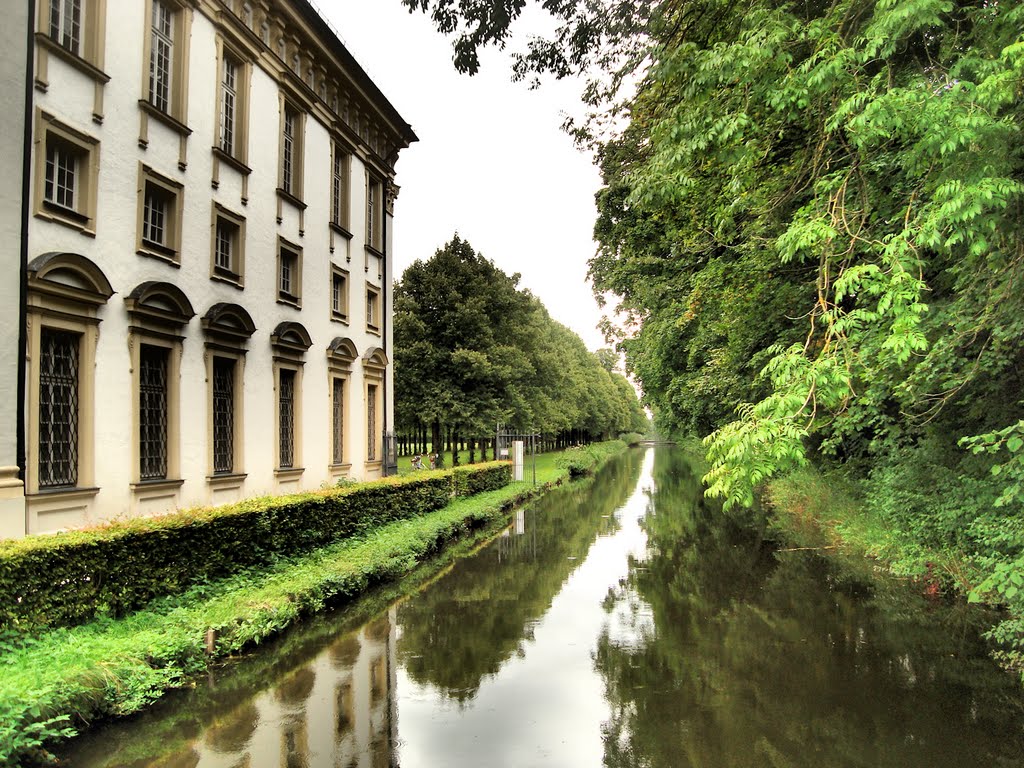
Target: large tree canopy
{"points": [[472, 350]]}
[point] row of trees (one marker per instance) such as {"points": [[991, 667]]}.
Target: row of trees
{"points": [[473, 351], [812, 218]]}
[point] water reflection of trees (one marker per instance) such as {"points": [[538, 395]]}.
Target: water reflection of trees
{"points": [[476, 617], [758, 660]]}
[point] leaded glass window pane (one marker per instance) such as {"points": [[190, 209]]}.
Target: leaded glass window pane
{"points": [[338, 420], [223, 415], [286, 418], [58, 408], [371, 423], [153, 412]]}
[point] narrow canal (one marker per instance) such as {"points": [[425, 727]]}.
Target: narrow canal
{"points": [[619, 622]]}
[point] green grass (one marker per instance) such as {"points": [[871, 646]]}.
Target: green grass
{"points": [[114, 667]]}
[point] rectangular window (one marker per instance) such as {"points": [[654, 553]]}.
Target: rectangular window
{"points": [[371, 422], [227, 255], [158, 213], [63, 161], [224, 256], [339, 294], [372, 308], [65, 174], [160, 200], [58, 408], [289, 273], [66, 24], [287, 284], [338, 420], [374, 207], [288, 151], [160, 56], [223, 415], [153, 363], [339, 188], [228, 104], [286, 417]]}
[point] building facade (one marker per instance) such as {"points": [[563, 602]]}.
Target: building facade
{"points": [[205, 230]]}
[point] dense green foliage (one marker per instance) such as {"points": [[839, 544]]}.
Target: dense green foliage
{"points": [[472, 350], [72, 577], [812, 220]]}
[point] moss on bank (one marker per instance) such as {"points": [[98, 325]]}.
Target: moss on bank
{"points": [[67, 678]]}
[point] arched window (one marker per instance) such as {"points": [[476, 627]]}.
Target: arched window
{"points": [[159, 313], [66, 293], [289, 343], [228, 328]]}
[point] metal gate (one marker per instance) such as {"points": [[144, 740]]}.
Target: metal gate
{"points": [[503, 439]]}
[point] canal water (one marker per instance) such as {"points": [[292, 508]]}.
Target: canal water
{"points": [[619, 622]]}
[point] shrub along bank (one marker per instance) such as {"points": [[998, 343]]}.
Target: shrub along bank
{"points": [[829, 511], [63, 678], [72, 577]]}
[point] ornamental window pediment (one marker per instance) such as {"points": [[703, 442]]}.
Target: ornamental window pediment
{"points": [[228, 322], [69, 276]]}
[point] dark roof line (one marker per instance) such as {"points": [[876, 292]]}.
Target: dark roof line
{"points": [[330, 38]]}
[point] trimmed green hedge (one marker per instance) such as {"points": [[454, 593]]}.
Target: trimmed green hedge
{"points": [[73, 577], [478, 478]]}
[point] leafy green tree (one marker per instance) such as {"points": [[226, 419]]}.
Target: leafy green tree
{"points": [[473, 350]]}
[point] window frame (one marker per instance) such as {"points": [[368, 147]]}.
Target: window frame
{"points": [[64, 294], [375, 365], [289, 343], [72, 435], [228, 328], [374, 213], [159, 314], [373, 309], [88, 59], [175, 113], [237, 364], [170, 250], [341, 353], [238, 154], [235, 273], [290, 184], [293, 252], [340, 314], [82, 215], [341, 187]]}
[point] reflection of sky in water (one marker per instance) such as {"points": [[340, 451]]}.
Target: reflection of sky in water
{"points": [[580, 638], [547, 706]]}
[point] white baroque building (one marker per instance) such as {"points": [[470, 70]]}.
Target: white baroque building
{"points": [[198, 211]]}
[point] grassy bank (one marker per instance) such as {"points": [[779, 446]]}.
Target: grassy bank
{"points": [[63, 679], [828, 512]]}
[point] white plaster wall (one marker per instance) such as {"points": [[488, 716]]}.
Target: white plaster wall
{"points": [[70, 98], [13, 48]]}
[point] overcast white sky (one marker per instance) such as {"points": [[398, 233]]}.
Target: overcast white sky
{"points": [[491, 163]]}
